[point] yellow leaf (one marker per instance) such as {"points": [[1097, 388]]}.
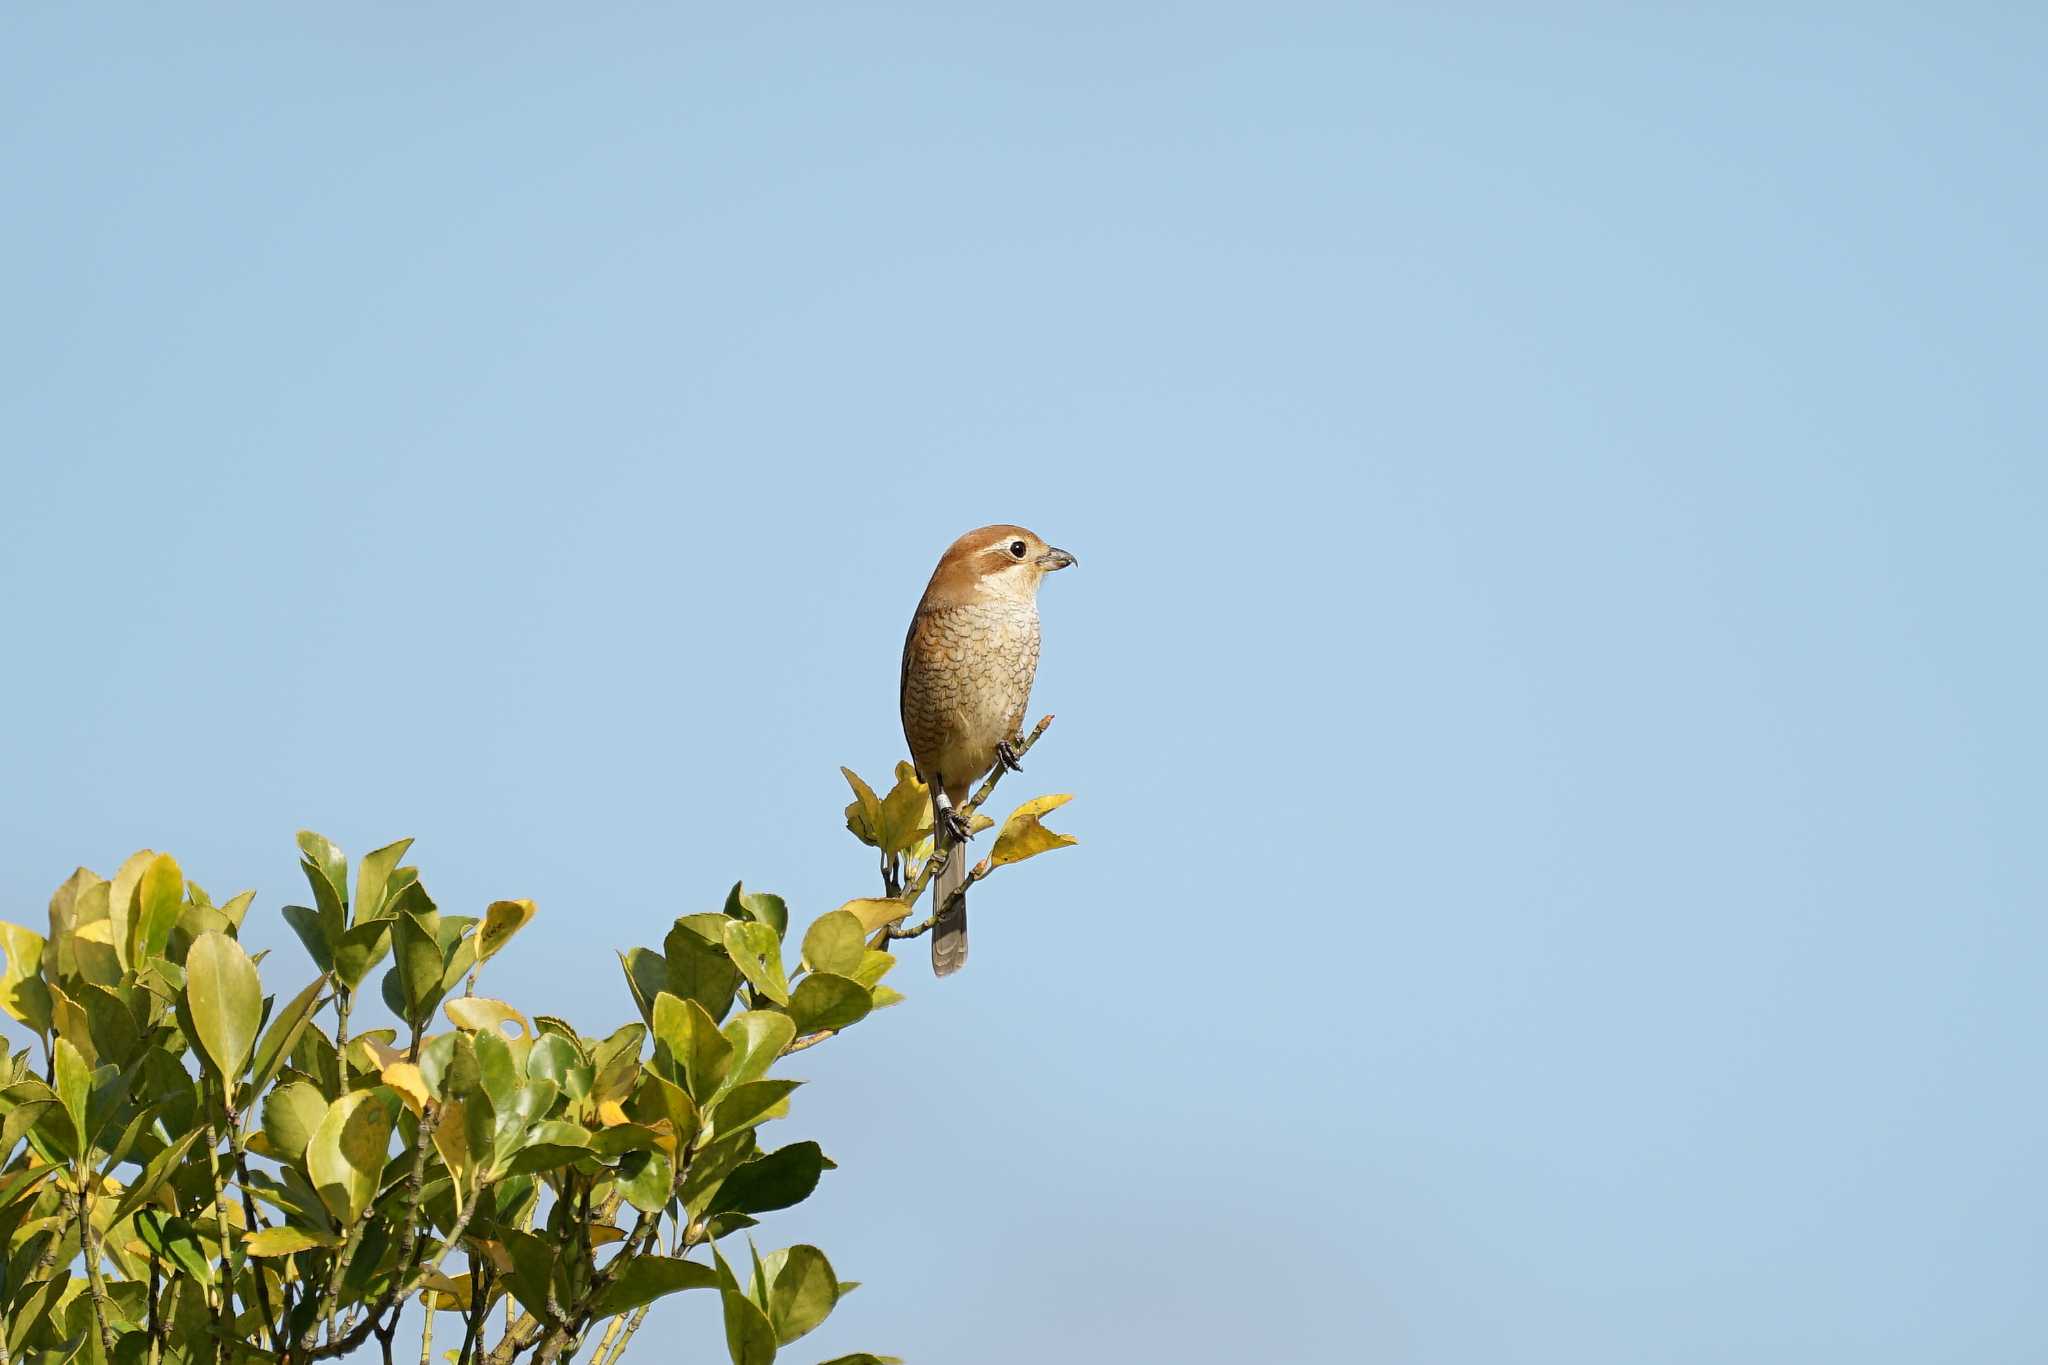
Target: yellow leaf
{"points": [[865, 811], [475, 1013], [905, 813], [501, 921], [610, 1115], [411, 1086], [372, 1055], [284, 1241], [1024, 837], [876, 912]]}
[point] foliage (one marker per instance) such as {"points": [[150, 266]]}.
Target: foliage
{"points": [[202, 1168]]}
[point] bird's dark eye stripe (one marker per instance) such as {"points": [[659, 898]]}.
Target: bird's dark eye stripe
{"points": [[1017, 548]]}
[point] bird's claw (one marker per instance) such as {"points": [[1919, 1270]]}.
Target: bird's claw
{"points": [[956, 824], [1006, 754]]}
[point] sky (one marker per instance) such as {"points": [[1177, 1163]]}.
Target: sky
{"points": [[1551, 690]]}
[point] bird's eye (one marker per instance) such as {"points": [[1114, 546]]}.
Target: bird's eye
{"points": [[1017, 548]]}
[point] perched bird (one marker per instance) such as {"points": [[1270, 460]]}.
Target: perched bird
{"points": [[968, 663]]}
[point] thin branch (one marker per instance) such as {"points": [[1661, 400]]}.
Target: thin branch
{"points": [[224, 1311], [422, 1267], [937, 862], [87, 1243]]}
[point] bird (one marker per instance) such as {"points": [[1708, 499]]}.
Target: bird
{"points": [[968, 663]]}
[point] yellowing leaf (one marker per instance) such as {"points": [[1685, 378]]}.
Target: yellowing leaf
{"points": [[411, 1086], [374, 1054], [501, 921], [865, 812], [876, 912], [479, 1015], [610, 1114], [22, 992], [905, 813], [1024, 837], [284, 1241]]}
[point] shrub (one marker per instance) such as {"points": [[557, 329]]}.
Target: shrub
{"points": [[195, 1170]]}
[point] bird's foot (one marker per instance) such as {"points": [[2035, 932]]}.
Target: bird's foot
{"points": [[956, 824], [1006, 754]]}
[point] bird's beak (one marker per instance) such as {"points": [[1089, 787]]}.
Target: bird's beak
{"points": [[1056, 559]]}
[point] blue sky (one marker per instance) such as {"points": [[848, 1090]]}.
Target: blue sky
{"points": [[1552, 687]]}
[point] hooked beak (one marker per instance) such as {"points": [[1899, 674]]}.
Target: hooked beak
{"points": [[1056, 559]]}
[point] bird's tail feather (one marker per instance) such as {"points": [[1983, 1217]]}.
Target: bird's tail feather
{"points": [[949, 933]]}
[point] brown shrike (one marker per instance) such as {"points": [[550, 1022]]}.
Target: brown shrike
{"points": [[968, 663]]}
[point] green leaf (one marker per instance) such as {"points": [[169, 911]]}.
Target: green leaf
{"points": [[360, 949], [159, 896], [347, 1152], [496, 1067], [647, 1278], [865, 1358], [373, 875], [646, 1178], [550, 1145], [1024, 837], [161, 1167], [758, 953], [874, 965], [225, 999], [307, 924], [823, 1001], [757, 1038], [714, 1161], [324, 856], [764, 907], [698, 967], [835, 942], [73, 1086], [779, 1180], [283, 1034], [291, 1115], [175, 1241], [501, 921], [750, 1104], [698, 1053], [418, 960], [749, 1336], [802, 1294], [646, 976], [116, 1034], [553, 1058], [534, 1263]]}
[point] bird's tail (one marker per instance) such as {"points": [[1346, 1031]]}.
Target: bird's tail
{"points": [[949, 932]]}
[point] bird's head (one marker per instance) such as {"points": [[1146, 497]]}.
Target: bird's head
{"points": [[1002, 561]]}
